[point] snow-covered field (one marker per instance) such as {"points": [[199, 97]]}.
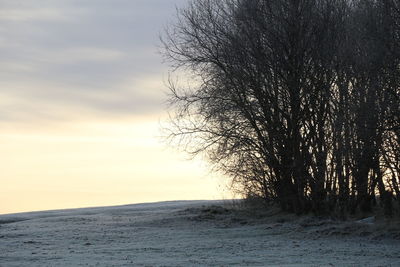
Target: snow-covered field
{"points": [[190, 233]]}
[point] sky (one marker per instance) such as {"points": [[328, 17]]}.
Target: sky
{"points": [[82, 101]]}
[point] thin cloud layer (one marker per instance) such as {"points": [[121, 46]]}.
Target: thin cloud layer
{"points": [[61, 58], [81, 92]]}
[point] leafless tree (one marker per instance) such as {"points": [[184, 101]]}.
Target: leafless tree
{"points": [[292, 99]]}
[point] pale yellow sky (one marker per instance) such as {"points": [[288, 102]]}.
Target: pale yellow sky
{"points": [[97, 163], [81, 96]]}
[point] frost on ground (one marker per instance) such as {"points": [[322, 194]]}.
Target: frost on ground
{"points": [[191, 233]]}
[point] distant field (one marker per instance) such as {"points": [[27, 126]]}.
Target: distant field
{"points": [[190, 233]]}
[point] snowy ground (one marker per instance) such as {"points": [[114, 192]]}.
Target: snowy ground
{"points": [[190, 233]]}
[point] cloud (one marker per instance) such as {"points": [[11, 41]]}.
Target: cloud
{"points": [[61, 59], [29, 15], [84, 54]]}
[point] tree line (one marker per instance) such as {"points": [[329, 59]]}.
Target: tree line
{"points": [[297, 101]]}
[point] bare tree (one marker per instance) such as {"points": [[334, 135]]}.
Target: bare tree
{"points": [[292, 99]]}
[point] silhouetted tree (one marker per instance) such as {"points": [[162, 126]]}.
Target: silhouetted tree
{"points": [[295, 100]]}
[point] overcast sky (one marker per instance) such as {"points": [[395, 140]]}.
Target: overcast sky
{"points": [[81, 94], [99, 56]]}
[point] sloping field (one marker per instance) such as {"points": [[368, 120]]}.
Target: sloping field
{"points": [[190, 233]]}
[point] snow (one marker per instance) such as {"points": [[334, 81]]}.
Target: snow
{"points": [[189, 233]]}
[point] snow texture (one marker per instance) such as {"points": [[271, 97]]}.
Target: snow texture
{"points": [[188, 233]]}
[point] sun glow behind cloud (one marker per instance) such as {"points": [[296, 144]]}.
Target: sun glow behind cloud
{"points": [[81, 95]]}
